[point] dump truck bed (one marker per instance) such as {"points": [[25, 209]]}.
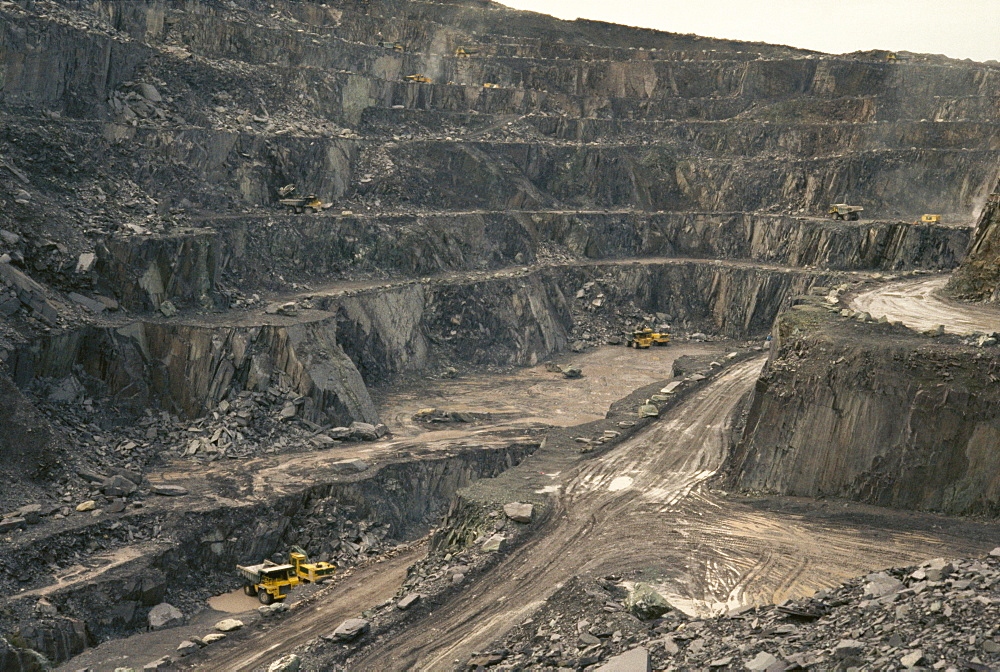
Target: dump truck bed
{"points": [[256, 573]]}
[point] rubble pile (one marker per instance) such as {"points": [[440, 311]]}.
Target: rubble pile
{"points": [[936, 616], [333, 532]]}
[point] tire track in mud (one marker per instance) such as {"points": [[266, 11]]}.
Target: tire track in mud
{"points": [[595, 514], [729, 554]]}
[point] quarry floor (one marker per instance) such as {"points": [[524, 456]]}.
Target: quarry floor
{"points": [[647, 509]]}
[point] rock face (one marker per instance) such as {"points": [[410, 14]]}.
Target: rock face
{"points": [[978, 278], [862, 412], [932, 624], [28, 447]]}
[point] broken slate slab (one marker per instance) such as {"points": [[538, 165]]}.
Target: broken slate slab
{"points": [[519, 512], [352, 466], [408, 601], [350, 629], [118, 486], [761, 662], [635, 660], [169, 490], [848, 648], [8, 524], [881, 584]]}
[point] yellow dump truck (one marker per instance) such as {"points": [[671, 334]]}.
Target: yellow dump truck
{"points": [[466, 51], [422, 79], [644, 338], [845, 211], [271, 582]]}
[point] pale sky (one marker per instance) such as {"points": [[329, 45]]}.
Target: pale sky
{"points": [[956, 28]]}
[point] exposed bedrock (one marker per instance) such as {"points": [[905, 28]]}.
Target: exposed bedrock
{"points": [[978, 277], [188, 369], [873, 413], [29, 449], [267, 252], [197, 548], [520, 175], [354, 338]]}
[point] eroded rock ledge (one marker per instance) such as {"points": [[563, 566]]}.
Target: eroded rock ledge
{"points": [[874, 413]]}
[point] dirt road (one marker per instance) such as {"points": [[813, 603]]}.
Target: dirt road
{"points": [[643, 509], [919, 305], [353, 594]]}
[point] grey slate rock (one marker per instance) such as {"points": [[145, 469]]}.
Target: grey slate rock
{"points": [[350, 629], [635, 660], [165, 615]]}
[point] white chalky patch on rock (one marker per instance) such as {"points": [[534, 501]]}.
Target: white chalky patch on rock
{"points": [[620, 483]]}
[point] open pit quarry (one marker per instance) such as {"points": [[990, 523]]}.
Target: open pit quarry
{"points": [[415, 367]]}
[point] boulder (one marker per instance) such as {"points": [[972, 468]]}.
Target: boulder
{"points": [[165, 615], [187, 647], [881, 584], [228, 625], [648, 410], [168, 309], [149, 92], [162, 665], [848, 649], [362, 431], [937, 569], [350, 629], [912, 659], [118, 486], [645, 603], [289, 663], [519, 512], [634, 660], [494, 543], [32, 513], [212, 637], [89, 505]]}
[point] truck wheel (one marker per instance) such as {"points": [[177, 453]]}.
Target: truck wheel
{"points": [[265, 597], [310, 210], [298, 210], [250, 590]]}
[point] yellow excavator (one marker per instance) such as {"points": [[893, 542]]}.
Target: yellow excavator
{"points": [[422, 79], [271, 582], [930, 219], [395, 46]]}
